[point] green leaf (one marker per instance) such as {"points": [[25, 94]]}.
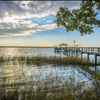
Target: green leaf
{"points": [[81, 19]]}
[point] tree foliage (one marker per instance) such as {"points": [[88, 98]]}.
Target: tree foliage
{"points": [[82, 20]]}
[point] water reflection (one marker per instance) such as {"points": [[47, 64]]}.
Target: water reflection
{"points": [[95, 68], [29, 52], [21, 74]]}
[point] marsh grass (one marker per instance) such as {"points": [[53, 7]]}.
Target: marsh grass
{"points": [[52, 88], [46, 90], [39, 60], [8, 93]]}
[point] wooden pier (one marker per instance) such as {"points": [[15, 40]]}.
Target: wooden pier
{"points": [[82, 50]]}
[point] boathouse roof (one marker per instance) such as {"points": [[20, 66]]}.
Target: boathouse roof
{"points": [[63, 44]]}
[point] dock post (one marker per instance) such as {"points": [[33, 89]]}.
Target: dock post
{"points": [[95, 68], [66, 52], [95, 58], [76, 53], [82, 49], [87, 57], [97, 50], [69, 53], [91, 50], [81, 56]]}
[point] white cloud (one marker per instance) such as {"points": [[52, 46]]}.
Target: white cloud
{"points": [[22, 28], [12, 14], [49, 21], [33, 8], [9, 19]]}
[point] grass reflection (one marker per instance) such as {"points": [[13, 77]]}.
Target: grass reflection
{"points": [[42, 78]]}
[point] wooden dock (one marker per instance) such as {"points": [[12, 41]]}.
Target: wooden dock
{"points": [[87, 50]]}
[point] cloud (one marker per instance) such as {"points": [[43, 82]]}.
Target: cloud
{"points": [[22, 28], [44, 19], [9, 19], [12, 14], [33, 8], [37, 20], [49, 21], [10, 8]]}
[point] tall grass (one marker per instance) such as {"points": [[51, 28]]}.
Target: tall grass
{"points": [[52, 88], [39, 60], [47, 90]]}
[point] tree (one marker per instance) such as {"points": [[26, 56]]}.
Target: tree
{"points": [[82, 20]]}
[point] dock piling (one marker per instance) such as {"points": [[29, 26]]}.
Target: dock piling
{"points": [[81, 56], [95, 58], [87, 57]]}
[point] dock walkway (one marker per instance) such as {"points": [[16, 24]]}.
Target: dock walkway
{"points": [[87, 50], [90, 50]]}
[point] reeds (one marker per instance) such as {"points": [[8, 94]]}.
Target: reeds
{"points": [[57, 60], [48, 91], [39, 60], [52, 88]]}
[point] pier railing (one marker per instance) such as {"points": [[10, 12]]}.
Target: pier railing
{"points": [[88, 50], [91, 50]]}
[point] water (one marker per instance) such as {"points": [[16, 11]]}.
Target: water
{"points": [[29, 52], [40, 51], [21, 74]]}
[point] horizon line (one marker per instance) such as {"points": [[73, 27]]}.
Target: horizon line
{"points": [[27, 46]]}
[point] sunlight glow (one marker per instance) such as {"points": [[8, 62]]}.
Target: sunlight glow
{"points": [[10, 19]]}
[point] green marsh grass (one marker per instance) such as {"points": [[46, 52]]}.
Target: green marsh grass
{"points": [[47, 90], [54, 88], [39, 60]]}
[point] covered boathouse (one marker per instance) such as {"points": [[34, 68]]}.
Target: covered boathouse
{"points": [[60, 48]]}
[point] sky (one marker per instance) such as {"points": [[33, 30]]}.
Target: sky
{"points": [[31, 23]]}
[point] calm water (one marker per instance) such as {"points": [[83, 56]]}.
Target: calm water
{"points": [[29, 52], [36, 52], [15, 72]]}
